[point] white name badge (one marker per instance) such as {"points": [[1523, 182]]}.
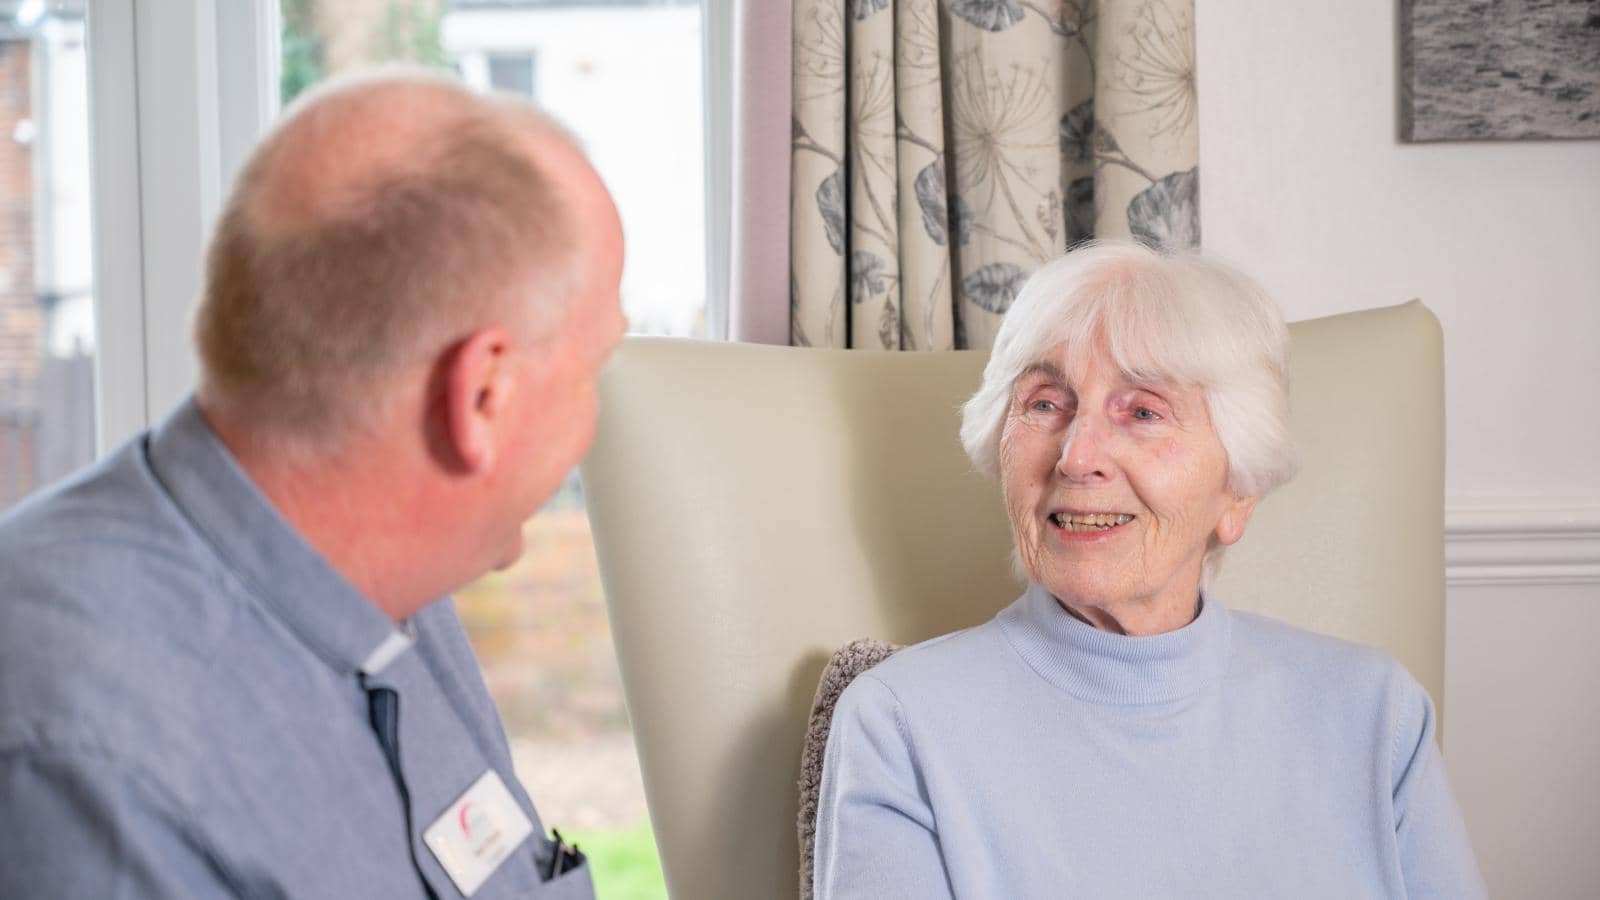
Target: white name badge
{"points": [[477, 832]]}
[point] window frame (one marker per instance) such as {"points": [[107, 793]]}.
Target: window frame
{"points": [[716, 55], [172, 117]]}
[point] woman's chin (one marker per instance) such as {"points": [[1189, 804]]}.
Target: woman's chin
{"points": [[1083, 588]]}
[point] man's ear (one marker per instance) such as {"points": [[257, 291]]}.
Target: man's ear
{"points": [[478, 385], [1231, 528]]}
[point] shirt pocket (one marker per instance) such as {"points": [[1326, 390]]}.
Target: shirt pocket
{"points": [[573, 884]]}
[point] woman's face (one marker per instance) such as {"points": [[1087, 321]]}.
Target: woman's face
{"points": [[1114, 489]]}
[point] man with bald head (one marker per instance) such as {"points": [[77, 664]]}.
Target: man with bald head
{"points": [[229, 665]]}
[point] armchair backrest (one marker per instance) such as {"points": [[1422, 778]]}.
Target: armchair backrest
{"points": [[754, 508]]}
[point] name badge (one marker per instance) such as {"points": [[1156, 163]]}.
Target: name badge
{"points": [[476, 834]]}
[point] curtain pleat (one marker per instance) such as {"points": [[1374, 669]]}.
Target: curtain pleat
{"points": [[942, 151]]}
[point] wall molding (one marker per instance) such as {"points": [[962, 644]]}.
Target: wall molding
{"points": [[1529, 541]]}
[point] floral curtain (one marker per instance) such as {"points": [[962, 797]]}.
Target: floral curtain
{"points": [[944, 149]]}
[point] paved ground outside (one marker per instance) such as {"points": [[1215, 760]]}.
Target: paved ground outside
{"points": [[542, 636], [589, 786]]}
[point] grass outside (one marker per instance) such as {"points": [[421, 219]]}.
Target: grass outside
{"points": [[624, 862]]}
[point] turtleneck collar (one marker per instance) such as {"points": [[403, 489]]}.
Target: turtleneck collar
{"points": [[1112, 669]]}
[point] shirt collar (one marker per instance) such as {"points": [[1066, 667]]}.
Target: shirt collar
{"points": [[291, 580], [1102, 667], [393, 646]]}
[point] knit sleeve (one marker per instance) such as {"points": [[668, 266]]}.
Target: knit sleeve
{"points": [[875, 830], [1436, 859]]}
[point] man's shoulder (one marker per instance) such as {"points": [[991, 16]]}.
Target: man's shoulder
{"points": [[117, 502], [108, 607], [113, 520], [107, 547]]}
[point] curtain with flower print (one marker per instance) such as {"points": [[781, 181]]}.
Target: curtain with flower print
{"points": [[944, 149]]}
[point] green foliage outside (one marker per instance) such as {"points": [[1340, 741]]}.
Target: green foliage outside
{"points": [[624, 863], [302, 50], [411, 33], [406, 31]]}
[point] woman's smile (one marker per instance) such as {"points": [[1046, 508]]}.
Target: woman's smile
{"points": [[1080, 526]]}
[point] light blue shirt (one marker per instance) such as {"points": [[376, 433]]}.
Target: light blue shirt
{"points": [[184, 701], [1035, 756]]}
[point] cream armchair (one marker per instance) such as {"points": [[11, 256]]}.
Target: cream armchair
{"points": [[754, 508]]}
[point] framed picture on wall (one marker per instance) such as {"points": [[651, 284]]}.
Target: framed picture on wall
{"points": [[1499, 69]]}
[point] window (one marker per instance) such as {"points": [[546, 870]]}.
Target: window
{"points": [[47, 320], [625, 78], [512, 72]]}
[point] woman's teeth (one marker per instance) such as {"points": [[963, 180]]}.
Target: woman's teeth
{"points": [[1096, 522]]}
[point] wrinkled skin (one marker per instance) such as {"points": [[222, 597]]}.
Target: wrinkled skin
{"points": [[1082, 437]]}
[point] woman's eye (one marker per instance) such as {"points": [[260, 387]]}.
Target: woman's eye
{"points": [[1146, 414], [1043, 406]]}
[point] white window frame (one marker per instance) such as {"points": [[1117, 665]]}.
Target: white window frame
{"points": [[115, 207], [716, 55], [180, 90]]}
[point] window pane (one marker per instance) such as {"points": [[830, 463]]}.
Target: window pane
{"points": [[47, 424], [512, 72], [624, 77]]}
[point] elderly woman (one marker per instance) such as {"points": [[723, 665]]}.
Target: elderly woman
{"points": [[1118, 731]]}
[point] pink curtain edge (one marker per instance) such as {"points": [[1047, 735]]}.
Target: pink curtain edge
{"points": [[758, 286]]}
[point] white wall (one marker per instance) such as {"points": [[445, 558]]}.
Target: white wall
{"points": [[1307, 186]]}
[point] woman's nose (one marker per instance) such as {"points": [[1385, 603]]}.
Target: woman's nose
{"points": [[1084, 456]]}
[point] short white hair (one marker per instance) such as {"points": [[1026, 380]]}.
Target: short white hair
{"points": [[1161, 316]]}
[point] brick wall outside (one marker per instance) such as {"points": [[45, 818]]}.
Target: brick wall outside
{"points": [[21, 318]]}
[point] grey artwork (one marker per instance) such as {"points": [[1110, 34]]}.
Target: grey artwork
{"points": [[1499, 69]]}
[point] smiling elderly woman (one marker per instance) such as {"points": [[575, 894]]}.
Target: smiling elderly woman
{"points": [[1117, 731]]}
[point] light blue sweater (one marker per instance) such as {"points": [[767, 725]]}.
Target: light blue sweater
{"points": [[1034, 756]]}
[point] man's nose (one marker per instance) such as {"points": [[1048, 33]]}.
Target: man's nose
{"points": [[1084, 452]]}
